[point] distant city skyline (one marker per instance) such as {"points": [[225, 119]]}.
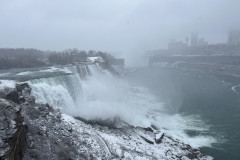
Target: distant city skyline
{"points": [[122, 27], [194, 40]]}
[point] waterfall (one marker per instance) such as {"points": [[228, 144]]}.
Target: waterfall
{"points": [[64, 91], [91, 93]]}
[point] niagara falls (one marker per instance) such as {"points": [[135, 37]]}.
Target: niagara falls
{"points": [[119, 80]]}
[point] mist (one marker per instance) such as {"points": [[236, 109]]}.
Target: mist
{"points": [[156, 79], [124, 28]]}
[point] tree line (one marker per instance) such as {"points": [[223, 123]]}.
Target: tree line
{"points": [[26, 58]]}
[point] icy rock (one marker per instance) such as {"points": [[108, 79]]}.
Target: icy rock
{"points": [[119, 152], [159, 137], [43, 132], [12, 131]]}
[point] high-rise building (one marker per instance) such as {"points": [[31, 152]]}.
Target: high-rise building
{"points": [[234, 37], [194, 39]]}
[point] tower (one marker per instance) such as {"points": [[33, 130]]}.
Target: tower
{"points": [[194, 39]]}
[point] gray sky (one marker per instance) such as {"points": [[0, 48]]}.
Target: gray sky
{"points": [[120, 26]]}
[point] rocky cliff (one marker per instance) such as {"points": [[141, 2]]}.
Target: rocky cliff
{"points": [[30, 130]]}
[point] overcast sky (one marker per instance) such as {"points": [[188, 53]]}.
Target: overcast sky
{"points": [[119, 26]]}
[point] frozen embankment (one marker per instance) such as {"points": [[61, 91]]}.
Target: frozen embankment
{"points": [[30, 130]]}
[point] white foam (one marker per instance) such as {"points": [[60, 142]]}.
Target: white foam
{"points": [[104, 96], [234, 89], [24, 73], [55, 69], [7, 84], [54, 95], [4, 74]]}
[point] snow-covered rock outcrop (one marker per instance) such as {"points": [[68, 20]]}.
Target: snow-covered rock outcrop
{"points": [[29, 130]]}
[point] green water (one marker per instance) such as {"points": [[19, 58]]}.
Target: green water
{"points": [[194, 93]]}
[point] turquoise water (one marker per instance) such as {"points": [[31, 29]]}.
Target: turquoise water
{"points": [[192, 93]]}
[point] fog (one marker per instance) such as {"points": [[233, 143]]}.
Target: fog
{"points": [[103, 98], [82, 58], [124, 28]]}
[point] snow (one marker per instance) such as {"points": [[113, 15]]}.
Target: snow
{"points": [[7, 84], [128, 142], [99, 142], [93, 59], [159, 135]]}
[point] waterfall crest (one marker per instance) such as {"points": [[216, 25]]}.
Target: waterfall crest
{"points": [[64, 91]]}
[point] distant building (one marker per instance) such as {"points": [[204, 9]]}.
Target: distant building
{"points": [[234, 37], [194, 39], [202, 42], [174, 45]]}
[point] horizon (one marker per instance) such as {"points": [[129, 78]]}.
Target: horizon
{"points": [[120, 27]]}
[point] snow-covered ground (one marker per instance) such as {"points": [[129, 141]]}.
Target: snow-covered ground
{"points": [[128, 142], [95, 59], [53, 135]]}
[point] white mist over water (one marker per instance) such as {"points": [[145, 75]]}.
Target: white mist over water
{"points": [[91, 93]]}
